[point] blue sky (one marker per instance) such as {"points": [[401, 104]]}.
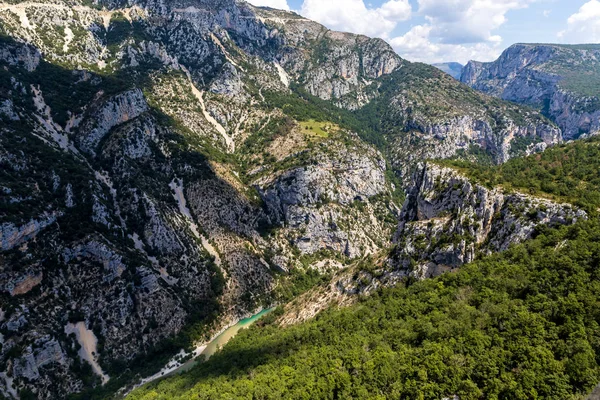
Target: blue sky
{"points": [[455, 30]]}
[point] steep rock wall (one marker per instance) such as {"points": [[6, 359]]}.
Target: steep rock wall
{"points": [[447, 221]]}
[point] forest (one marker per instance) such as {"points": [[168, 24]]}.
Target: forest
{"points": [[523, 324], [566, 173]]}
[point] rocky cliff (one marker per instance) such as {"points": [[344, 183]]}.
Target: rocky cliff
{"points": [[165, 166], [427, 114], [448, 221], [560, 80]]}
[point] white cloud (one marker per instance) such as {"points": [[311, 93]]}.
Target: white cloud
{"points": [[457, 30], [279, 4], [416, 45], [467, 21], [583, 26], [354, 16]]}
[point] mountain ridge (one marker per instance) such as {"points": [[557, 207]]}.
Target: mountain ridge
{"points": [[560, 80], [453, 69], [167, 170]]}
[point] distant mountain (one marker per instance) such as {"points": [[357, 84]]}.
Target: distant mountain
{"points": [[561, 80], [453, 69]]}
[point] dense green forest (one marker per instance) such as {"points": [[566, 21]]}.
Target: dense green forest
{"points": [[569, 173], [518, 325], [523, 324]]}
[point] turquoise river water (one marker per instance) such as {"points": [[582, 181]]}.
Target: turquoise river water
{"points": [[221, 340]]}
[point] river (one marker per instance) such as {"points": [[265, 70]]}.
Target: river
{"points": [[205, 351], [213, 346]]}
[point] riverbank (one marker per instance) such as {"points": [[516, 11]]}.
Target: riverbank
{"points": [[206, 350]]}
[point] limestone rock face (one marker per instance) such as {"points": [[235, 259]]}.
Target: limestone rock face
{"points": [[7, 109], [167, 163], [12, 235], [449, 139], [548, 77], [506, 72], [26, 56], [447, 221], [578, 116], [332, 203], [343, 65], [115, 111]]}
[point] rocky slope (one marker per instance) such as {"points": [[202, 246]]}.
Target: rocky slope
{"points": [[165, 165], [448, 221], [427, 114], [562, 81]]}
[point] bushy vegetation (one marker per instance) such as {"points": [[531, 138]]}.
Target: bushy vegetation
{"points": [[579, 74], [302, 106], [517, 325], [299, 281], [569, 173], [63, 90], [522, 324]]}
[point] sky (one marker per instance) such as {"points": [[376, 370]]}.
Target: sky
{"points": [[455, 30]]}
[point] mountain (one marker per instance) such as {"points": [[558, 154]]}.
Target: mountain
{"points": [[563, 81], [453, 69], [168, 168], [520, 323]]}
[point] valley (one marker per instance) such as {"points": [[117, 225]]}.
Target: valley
{"points": [[317, 215]]}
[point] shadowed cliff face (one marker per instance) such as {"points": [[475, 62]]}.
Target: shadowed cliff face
{"points": [[562, 81], [447, 221], [167, 166]]}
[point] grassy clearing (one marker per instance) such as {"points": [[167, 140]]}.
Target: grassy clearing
{"points": [[316, 129]]}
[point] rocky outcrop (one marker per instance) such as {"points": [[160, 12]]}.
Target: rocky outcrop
{"points": [[514, 73], [328, 205], [27, 57], [459, 135], [7, 110], [338, 66], [37, 22], [578, 116], [12, 235], [112, 112], [447, 221], [46, 351], [24, 284], [327, 195], [100, 252], [548, 77], [343, 65]]}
